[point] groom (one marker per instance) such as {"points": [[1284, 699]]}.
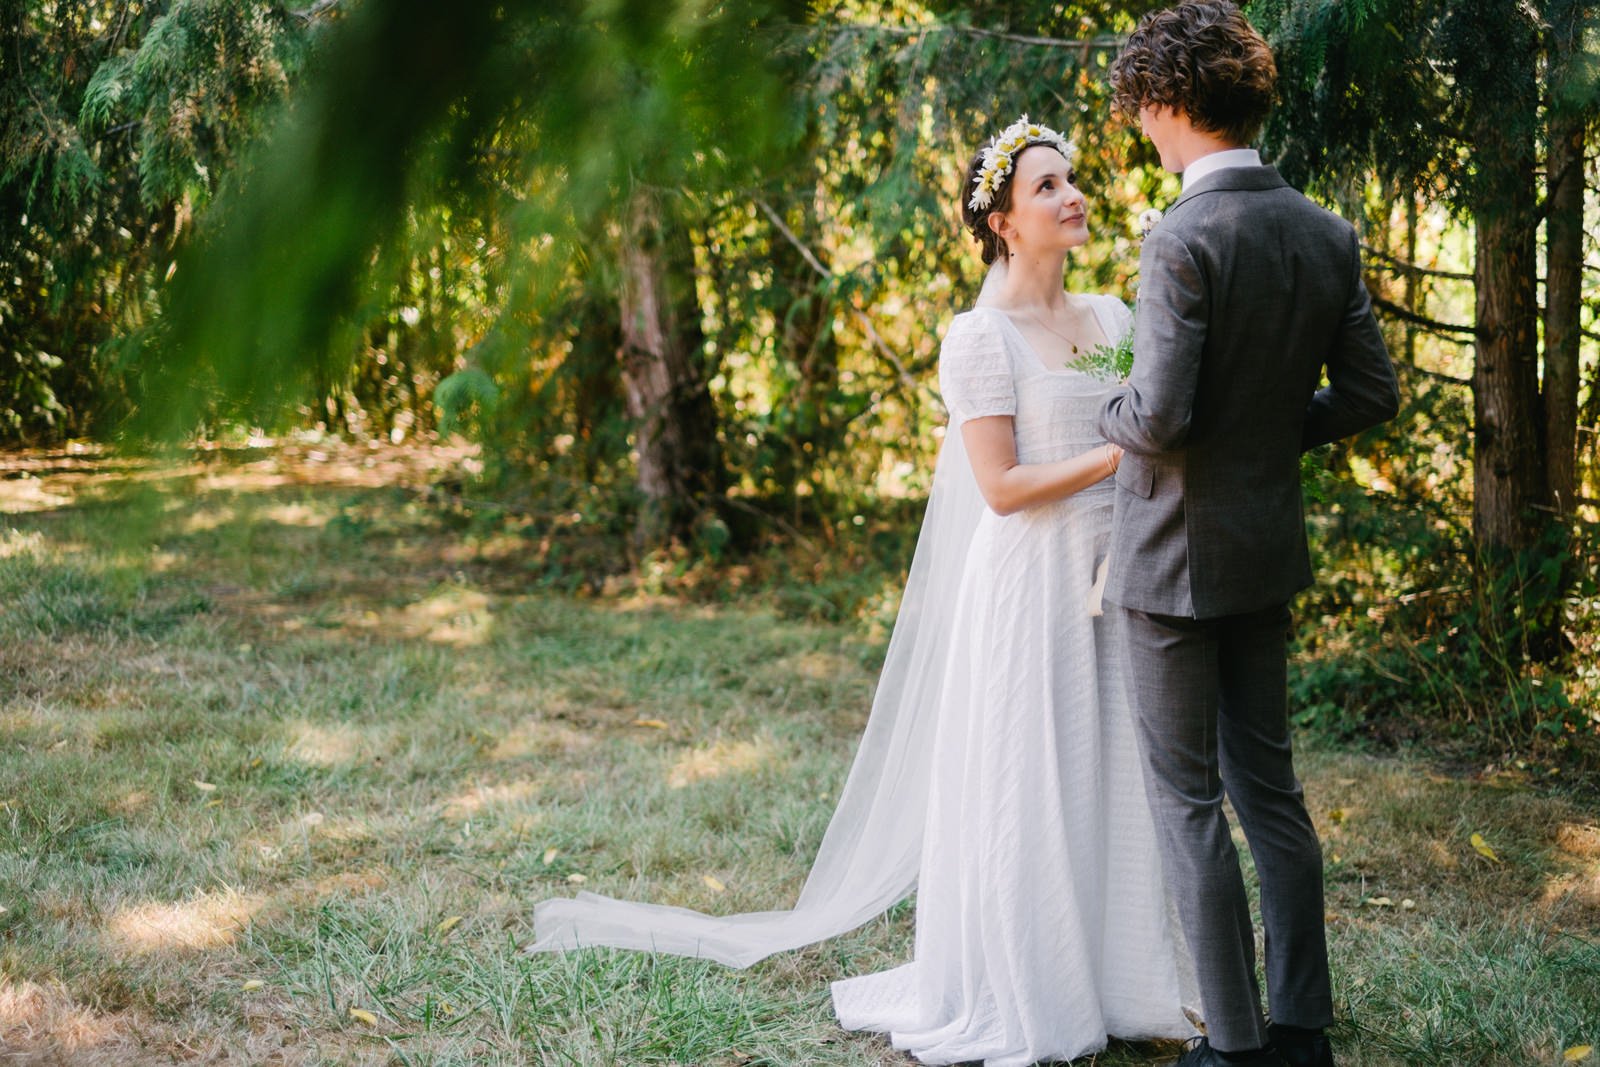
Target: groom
{"points": [[1248, 294]]}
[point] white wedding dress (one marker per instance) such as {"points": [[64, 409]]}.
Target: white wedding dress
{"points": [[998, 774], [1042, 920]]}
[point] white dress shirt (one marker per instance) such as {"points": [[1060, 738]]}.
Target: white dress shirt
{"points": [[1210, 164]]}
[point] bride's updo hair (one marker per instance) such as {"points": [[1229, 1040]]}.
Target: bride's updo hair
{"points": [[977, 219]]}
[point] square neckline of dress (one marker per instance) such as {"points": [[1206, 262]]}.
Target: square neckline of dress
{"points": [[1033, 353]]}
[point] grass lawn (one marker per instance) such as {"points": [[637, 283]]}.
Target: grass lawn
{"points": [[286, 758]]}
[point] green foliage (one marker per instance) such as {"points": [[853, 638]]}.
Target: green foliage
{"points": [[1112, 362], [1414, 633], [111, 131], [463, 398]]}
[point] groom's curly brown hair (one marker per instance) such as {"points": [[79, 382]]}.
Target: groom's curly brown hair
{"points": [[1203, 58]]}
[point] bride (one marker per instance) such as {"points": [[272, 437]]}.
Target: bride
{"points": [[998, 775]]}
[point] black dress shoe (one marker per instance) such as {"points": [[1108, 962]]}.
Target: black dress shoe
{"points": [[1199, 1053], [1301, 1048]]}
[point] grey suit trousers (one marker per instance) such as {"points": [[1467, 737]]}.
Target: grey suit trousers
{"points": [[1212, 720]]}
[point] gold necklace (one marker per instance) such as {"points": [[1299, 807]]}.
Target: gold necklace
{"points": [[1070, 342]]}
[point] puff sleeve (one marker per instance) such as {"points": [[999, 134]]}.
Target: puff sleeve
{"points": [[975, 370]]}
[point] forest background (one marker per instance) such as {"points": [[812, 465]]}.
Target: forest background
{"points": [[680, 270]]}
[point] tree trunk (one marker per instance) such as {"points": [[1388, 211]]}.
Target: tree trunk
{"points": [[679, 462], [1508, 479], [1508, 467], [1413, 301], [1563, 298]]}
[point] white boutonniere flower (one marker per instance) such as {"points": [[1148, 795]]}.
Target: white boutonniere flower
{"points": [[1147, 221]]}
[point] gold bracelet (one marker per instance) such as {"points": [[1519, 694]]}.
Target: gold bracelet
{"points": [[1105, 454]]}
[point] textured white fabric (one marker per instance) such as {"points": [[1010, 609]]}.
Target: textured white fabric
{"points": [[975, 369], [1042, 922], [997, 773]]}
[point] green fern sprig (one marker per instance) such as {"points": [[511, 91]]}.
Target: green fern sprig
{"points": [[1110, 362]]}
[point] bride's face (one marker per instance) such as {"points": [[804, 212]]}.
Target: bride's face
{"points": [[1047, 212]]}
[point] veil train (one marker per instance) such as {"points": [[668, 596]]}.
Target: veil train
{"points": [[871, 852]]}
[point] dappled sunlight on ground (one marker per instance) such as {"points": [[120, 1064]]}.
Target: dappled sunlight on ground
{"points": [[538, 737], [481, 798], [1441, 856], [816, 666], [31, 1013], [130, 803], [21, 495], [720, 758], [1579, 839], [345, 884], [457, 617], [209, 920], [1573, 896], [301, 515], [206, 519], [323, 746], [1574, 899], [20, 542]]}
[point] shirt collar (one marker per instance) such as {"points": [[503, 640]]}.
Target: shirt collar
{"points": [[1215, 161]]}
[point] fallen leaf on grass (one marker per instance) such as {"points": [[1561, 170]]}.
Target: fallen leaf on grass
{"points": [[361, 1015], [446, 926], [204, 787], [1482, 848], [1407, 904], [1576, 1053], [1378, 902], [550, 855], [654, 724], [252, 985], [1337, 815], [713, 884], [576, 879]]}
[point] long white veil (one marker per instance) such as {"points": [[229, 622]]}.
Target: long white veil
{"points": [[870, 854]]}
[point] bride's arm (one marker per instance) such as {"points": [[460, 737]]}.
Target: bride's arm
{"points": [[1009, 486]]}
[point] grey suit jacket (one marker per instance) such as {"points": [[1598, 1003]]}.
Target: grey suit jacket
{"points": [[1248, 293]]}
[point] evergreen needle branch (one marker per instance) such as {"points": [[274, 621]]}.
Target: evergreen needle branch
{"points": [[1411, 268], [1441, 376], [1450, 330], [1105, 42]]}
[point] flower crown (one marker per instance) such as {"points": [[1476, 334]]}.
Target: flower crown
{"points": [[1000, 154]]}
